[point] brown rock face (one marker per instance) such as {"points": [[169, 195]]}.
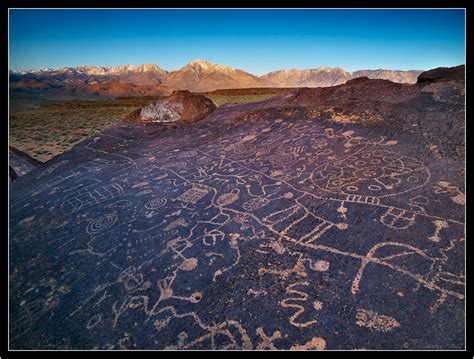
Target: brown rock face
{"points": [[362, 92], [180, 107], [442, 74]]}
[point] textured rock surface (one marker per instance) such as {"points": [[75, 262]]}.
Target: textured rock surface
{"points": [[259, 227], [431, 112], [20, 163], [180, 107], [443, 74]]}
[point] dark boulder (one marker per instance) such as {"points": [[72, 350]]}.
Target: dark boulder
{"points": [[441, 74], [20, 163], [180, 107]]}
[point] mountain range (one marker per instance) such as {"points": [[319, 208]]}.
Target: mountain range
{"points": [[197, 76]]}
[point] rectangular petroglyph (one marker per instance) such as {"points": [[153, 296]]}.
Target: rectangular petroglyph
{"points": [[193, 194], [396, 218], [299, 224], [85, 198], [362, 199]]}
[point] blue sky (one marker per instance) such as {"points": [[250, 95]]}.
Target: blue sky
{"points": [[257, 41]]}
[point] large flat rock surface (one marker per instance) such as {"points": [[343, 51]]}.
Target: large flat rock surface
{"points": [[272, 232]]}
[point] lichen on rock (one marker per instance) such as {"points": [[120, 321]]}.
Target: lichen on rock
{"points": [[162, 112], [180, 107]]}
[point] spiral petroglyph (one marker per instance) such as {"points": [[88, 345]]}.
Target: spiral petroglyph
{"points": [[102, 223], [155, 203]]}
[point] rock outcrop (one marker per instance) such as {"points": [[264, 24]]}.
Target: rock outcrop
{"points": [[442, 74], [20, 163], [180, 107], [430, 111], [262, 226]]}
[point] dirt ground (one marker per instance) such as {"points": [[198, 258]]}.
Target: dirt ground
{"points": [[45, 128]]}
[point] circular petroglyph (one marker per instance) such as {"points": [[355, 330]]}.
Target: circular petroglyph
{"points": [[283, 159], [102, 223], [300, 142], [166, 293], [369, 172], [321, 266], [320, 142], [342, 226], [93, 321], [385, 172], [189, 264], [263, 151], [196, 297], [241, 148], [133, 282], [126, 273], [204, 160], [155, 203]]}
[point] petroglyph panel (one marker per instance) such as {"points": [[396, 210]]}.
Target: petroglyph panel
{"points": [[102, 223], [193, 195], [377, 173], [85, 198], [252, 234]]}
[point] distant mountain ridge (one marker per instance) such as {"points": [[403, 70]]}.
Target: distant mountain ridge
{"points": [[201, 76], [196, 76]]}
